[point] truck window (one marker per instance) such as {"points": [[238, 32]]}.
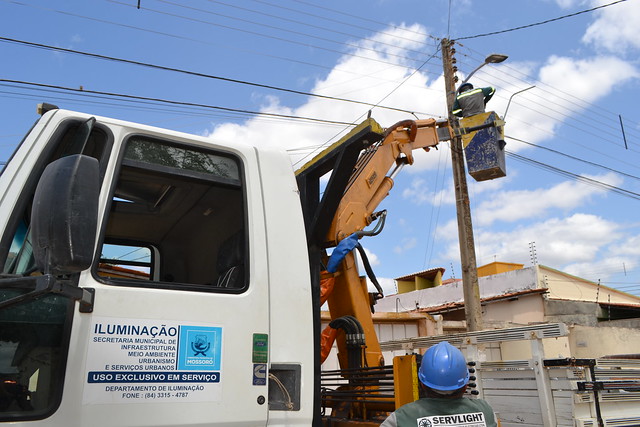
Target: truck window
{"points": [[186, 206], [126, 261], [34, 335]]}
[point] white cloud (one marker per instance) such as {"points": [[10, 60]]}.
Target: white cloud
{"points": [[405, 245], [566, 86], [533, 116], [429, 189], [372, 76], [388, 285], [629, 247], [420, 192], [558, 241], [586, 79], [615, 28], [565, 4], [516, 205], [372, 257]]}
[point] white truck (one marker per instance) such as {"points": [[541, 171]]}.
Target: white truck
{"points": [[154, 278]]}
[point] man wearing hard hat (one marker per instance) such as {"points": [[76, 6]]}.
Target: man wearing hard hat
{"points": [[444, 376], [471, 101]]}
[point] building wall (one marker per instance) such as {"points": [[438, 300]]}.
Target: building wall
{"points": [[418, 283], [566, 287], [591, 342], [570, 300], [571, 312], [522, 310], [490, 286], [497, 268]]}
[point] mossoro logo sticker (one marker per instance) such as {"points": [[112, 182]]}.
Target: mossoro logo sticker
{"points": [[200, 348]]}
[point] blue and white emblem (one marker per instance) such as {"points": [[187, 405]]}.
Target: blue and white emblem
{"points": [[200, 348]]}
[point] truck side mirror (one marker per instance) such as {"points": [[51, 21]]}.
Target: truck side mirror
{"points": [[64, 215]]}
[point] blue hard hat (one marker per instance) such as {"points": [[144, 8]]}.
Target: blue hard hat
{"points": [[444, 368]]}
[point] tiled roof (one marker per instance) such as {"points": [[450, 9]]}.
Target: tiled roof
{"points": [[426, 274], [460, 304]]}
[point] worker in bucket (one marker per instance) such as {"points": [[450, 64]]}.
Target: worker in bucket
{"points": [[471, 101], [444, 377]]}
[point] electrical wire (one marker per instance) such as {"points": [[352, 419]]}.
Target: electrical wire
{"points": [[360, 117], [172, 102], [236, 50], [573, 157], [553, 92], [540, 23], [584, 179], [449, 21], [252, 112], [197, 74], [546, 109], [290, 40], [349, 23], [581, 105], [435, 206], [587, 128], [342, 122], [307, 24]]}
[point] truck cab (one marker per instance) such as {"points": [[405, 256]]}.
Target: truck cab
{"points": [[151, 278]]}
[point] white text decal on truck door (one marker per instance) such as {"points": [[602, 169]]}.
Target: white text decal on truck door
{"points": [[141, 360]]}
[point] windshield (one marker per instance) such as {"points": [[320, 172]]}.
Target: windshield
{"points": [[34, 333], [20, 258], [32, 355]]}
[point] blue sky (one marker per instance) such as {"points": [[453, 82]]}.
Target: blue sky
{"points": [[572, 189]]}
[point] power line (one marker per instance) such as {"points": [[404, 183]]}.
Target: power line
{"points": [[584, 179], [587, 128], [261, 24], [573, 157], [183, 103], [569, 97], [273, 37], [349, 15], [189, 39], [612, 135], [435, 206], [542, 22], [385, 97], [306, 24], [195, 73], [129, 104]]}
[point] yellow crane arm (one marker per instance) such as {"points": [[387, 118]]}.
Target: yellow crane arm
{"points": [[370, 182]]}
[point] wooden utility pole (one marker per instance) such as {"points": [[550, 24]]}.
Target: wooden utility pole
{"points": [[472, 307]]}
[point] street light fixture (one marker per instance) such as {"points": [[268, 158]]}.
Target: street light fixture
{"points": [[494, 58], [504, 116]]}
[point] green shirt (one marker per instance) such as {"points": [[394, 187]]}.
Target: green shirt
{"points": [[472, 101], [434, 412]]}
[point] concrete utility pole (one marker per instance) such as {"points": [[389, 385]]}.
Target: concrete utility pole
{"points": [[472, 307]]}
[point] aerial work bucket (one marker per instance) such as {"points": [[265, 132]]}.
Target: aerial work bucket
{"points": [[483, 144]]}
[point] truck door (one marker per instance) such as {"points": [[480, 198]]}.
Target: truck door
{"points": [[179, 329]]}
